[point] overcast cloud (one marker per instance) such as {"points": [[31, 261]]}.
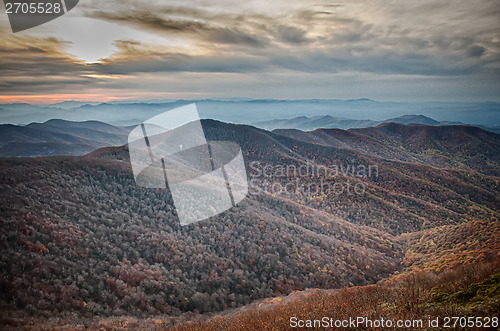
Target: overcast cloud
{"points": [[387, 50]]}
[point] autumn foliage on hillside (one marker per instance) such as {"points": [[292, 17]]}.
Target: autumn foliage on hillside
{"points": [[81, 241], [449, 246], [78, 236], [472, 290]]}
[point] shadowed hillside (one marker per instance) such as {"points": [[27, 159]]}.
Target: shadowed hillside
{"points": [[58, 137], [459, 147], [465, 291], [455, 147]]}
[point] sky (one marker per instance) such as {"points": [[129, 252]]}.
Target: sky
{"points": [[282, 49]]}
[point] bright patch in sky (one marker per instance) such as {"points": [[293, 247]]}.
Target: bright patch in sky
{"points": [[93, 39]]}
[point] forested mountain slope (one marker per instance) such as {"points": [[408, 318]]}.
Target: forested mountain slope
{"points": [[79, 236]]}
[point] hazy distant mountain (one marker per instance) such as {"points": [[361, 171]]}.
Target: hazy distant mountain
{"points": [[328, 122], [72, 104], [495, 128], [7, 108], [132, 122], [248, 111], [311, 123], [58, 137], [413, 119], [304, 123]]}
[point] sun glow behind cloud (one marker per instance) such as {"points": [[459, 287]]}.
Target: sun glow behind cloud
{"points": [[97, 76], [92, 40]]}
